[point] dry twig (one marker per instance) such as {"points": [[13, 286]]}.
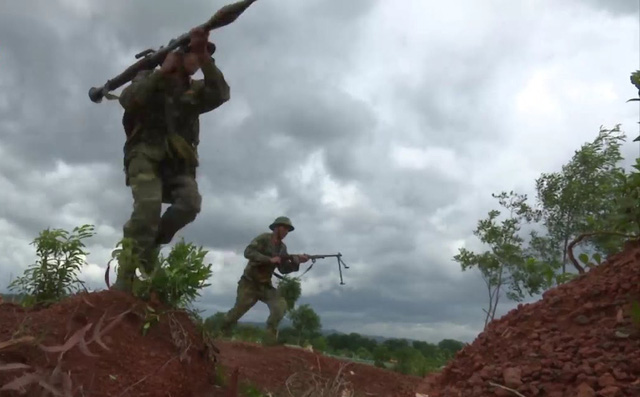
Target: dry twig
{"points": [[517, 393]]}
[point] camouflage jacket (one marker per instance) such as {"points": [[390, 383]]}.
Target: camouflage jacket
{"points": [[163, 121], [259, 252]]}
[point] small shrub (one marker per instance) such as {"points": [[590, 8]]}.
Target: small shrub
{"points": [[178, 278], [290, 289], [54, 275]]}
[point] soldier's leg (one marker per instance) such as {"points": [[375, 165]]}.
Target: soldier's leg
{"points": [[185, 205], [142, 226], [246, 298], [277, 309]]}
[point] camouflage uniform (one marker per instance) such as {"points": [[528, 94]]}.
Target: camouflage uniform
{"points": [[160, 156], [255, 284]]}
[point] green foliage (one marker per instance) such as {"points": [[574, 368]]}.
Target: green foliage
{"points": [[395, 344], [290, 290], [379, 364], [306, 322], [363, 353], [319, 343], [504, 264], [381, 353], [150, 318], [178, 278], [214, 323], [626, 216], [450, 347], [410, 362], [635, 80], [54, 275], [590, 261], [591, 199], [581, 197], [249, 333]]}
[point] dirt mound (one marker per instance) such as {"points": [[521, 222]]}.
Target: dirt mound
{"points": [[276, 368], [578, 340], [93, 345]]}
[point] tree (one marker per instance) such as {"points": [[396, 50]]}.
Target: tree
{"points": [[450, 346], [363, 353], [410, 362], [305, 322], [319, 343], [504, 264], [381, 353], [395, 344], [580, 197]]}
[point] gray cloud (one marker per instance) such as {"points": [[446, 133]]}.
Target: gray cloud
{"points": [[381, 139], [615, 7]]}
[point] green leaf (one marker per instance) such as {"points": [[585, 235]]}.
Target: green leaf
{"points": [[584, 258], [597, 257]]}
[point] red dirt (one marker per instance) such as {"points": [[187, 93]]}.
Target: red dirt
{"points": [[148, 365], [272, 367], [577, 341], [131, 357]]}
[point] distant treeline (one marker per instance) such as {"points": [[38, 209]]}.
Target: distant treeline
{"points": [[408, 357]]}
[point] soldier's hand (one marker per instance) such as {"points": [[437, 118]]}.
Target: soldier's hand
{"points": [[276, 260], [170, 64], [303, 258], [199, 38]]}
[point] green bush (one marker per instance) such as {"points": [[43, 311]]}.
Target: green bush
{"points": [[290, 290], [178, 278], [54, 275]]}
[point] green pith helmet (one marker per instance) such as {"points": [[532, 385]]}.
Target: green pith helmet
{"points": [[282, 220]]}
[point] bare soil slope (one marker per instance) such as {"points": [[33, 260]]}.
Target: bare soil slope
{"points": [[578, 340], [93, 345]]}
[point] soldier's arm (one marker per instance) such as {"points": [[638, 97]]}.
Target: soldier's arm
{"points": [[141, 89], [214, 91], [292, 266], [253, 251]]}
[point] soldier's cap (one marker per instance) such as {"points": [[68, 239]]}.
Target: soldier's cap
{"points": [[282, 220]]}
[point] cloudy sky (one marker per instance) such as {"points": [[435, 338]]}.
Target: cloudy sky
{"points": [[381, 128]]}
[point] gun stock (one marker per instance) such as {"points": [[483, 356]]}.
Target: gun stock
{"points": [[151, 59]]}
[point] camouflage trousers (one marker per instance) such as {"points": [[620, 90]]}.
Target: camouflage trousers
{"points": [[147, 226], [248, 294]]}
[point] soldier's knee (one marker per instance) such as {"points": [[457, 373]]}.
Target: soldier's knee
{"points": [[189, 199], [193, 204]]}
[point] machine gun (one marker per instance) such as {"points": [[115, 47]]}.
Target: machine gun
{"points": [[150, 58], [287, 264]]}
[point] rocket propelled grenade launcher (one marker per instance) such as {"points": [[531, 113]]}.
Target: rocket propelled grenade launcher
{"points": [[151, 58]]}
